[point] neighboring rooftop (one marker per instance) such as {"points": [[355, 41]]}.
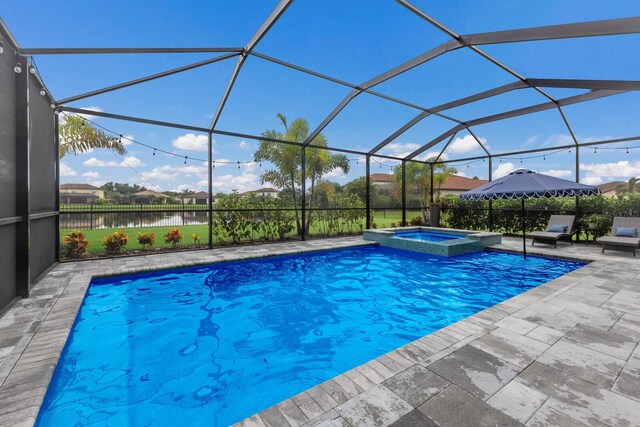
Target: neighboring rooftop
{"points": [[457, 182]]}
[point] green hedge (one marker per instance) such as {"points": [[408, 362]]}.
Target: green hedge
{"points": [[474, 215]]}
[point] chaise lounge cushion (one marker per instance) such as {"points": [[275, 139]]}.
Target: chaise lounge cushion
{"points": [[620, 241], [546, 235]]}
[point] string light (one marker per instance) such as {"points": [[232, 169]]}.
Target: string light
{"points": [[154, 152], [238, 164], [17, 68], [595, 150], [32, 70], [1, 47], [185, 160], [627, 150], [42, 92]]}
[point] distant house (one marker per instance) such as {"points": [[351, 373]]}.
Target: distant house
{"points": [[262, 192], [199, 198], [148, 197], [79, 193], [457, 185], [610, 189], [382, 180]]}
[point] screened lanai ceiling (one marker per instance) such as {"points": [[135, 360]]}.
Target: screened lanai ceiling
{"points": [[394, 80]]}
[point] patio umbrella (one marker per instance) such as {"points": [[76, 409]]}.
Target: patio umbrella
{"points": [[525, 184]]}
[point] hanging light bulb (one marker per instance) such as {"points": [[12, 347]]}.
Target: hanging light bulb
{"points": [[120, 140], [260, 164], [627, 150], [1, 46], [595, 150], [569, 150], [32, 70], [53, 106], [238, 164], [467, 165], [214, 164], [520, 160], [500, 159], [357, 161], [18, 68], [154, 152], [544, 157], [185, 160], [42, 92]]}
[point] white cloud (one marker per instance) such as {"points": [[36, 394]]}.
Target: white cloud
{"points": [[130, 161], [126, 140], [503, 170], [171, 173], [400, 149], [97, 183], [244, 145], [598, 173], [191, 142], [66, 170], [91, 174], [336, 174], [89, 116], [466, 144], [227, 183], [591, 180], [433, 155], [558, 173]]}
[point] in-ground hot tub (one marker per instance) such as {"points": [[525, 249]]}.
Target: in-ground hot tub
{"points": [[434, 241]]}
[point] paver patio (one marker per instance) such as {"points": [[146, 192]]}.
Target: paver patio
{"points": [[564, 353]]}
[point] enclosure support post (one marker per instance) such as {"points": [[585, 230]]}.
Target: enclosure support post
{"points": [[23, 231], [303, 196], [431, 183], [524, 231], [577, 198], [56, 141], [404, 193], [490, 201], [210, 189], [368, 192]]}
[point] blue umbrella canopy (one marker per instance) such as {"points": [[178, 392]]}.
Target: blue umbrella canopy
{"points": [[526, 184]]}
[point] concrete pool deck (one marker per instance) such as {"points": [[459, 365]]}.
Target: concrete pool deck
{"points": [[564, 353]]}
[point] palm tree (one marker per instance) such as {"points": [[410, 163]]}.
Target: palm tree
{"points": [[632, 186], [78, 136], [287, 160], [418, 176]]}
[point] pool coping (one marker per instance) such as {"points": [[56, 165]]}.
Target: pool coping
{"points": [[27, 370]]}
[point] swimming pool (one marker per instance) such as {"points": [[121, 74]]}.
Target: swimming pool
{"points": [[428, 236], [212, 345]]}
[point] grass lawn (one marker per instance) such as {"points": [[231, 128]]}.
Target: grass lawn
{"points": [[95, 237]]}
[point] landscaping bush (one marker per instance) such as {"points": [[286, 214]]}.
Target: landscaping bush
{"points": [[146, 240], [416, 221], [114, 243], [75, 244], [196, 239], [173, 237]]}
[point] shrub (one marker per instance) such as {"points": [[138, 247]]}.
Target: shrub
{"points": [[416, 221], [173, 237], [146, 239], [393, 225], [196, 239], [75, 244], [114, 243]]}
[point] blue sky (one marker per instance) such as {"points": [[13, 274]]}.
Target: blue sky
{"points": [[349, 40]]}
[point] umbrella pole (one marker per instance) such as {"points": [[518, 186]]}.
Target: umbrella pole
{"points": [[524, 232]]}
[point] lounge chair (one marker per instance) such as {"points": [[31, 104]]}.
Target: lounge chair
{"points": [[622, 243], [559, 228]]}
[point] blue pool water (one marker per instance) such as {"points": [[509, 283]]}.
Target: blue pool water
{"points": [[428, 236], [212, 345]]}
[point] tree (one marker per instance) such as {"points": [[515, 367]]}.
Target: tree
{"points": [[632, 186], [418, 178], [78, 136], [287, 160]]}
